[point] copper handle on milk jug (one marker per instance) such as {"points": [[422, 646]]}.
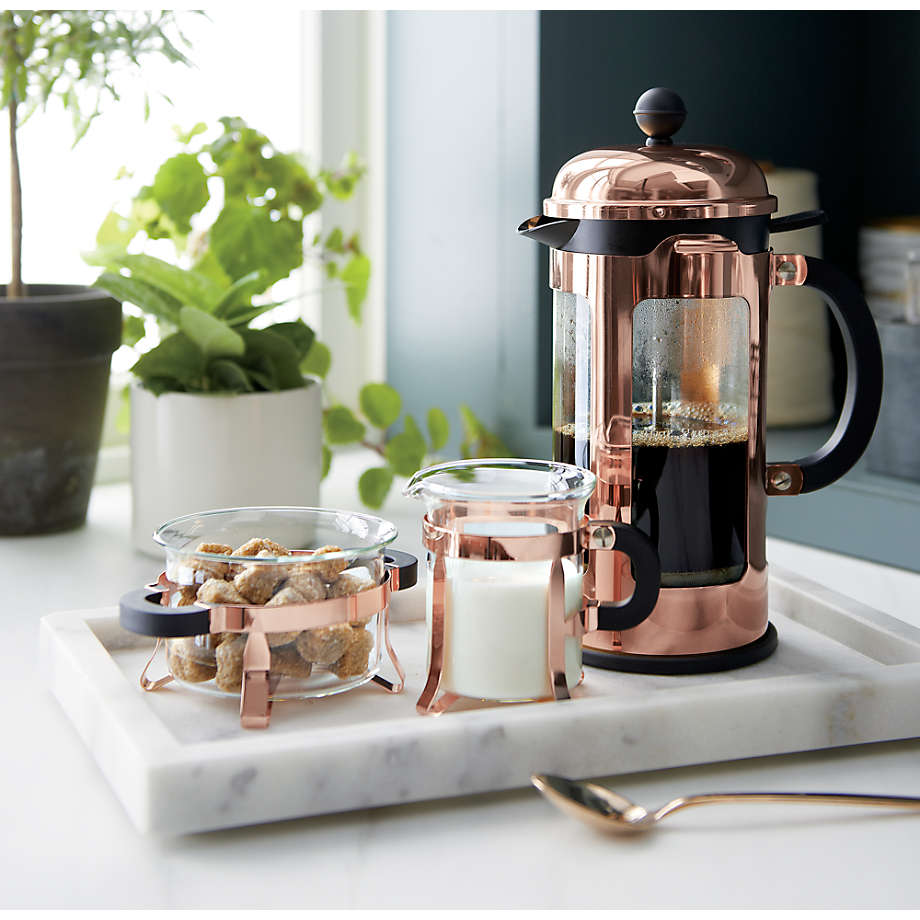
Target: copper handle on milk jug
{"points": [[863, 396]]}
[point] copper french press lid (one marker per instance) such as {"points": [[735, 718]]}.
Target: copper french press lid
{"points": [[659, 180]]}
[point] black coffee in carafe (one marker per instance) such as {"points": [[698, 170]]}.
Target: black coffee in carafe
{"points": [[690, 492]]}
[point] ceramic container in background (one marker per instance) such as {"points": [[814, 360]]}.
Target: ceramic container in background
{"points": [[217, 451]]}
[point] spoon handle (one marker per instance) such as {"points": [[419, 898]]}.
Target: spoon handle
{"points": [[815, 798]]}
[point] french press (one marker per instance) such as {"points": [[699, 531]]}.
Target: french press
{"points": [[661, 273]]}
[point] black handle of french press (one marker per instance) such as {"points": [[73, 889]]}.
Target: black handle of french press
{"points": [[647, 575], [406, 566], [864, 378], [140, 612]]}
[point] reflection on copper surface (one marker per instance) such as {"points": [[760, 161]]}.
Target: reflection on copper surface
{"points": [[685, 620]]}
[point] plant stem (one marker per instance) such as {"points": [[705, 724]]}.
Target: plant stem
{"points": [[15, 286], [375, 447]]}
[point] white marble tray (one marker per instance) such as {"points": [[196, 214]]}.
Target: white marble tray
{"points": [[179, 762]]}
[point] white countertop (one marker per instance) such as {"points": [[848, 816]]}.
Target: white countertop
{"points": [[67, 843]]}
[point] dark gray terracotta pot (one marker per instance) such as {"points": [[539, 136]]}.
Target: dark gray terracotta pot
{"points": [[56, 345]]}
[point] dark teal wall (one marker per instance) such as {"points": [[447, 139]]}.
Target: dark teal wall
{"points": [[837, 93]]}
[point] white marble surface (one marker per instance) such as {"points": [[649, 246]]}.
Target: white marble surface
{"points": [[179, 762], [68, 843]]}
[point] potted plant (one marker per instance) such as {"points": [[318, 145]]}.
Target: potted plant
{"points": [[224, 413], [56, 341]]}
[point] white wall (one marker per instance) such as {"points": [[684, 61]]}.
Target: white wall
{"points": [[462, 153]]}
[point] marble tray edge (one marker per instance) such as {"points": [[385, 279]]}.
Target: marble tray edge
{"points": [[149, 769]]}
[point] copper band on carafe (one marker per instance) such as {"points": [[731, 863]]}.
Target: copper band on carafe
{"points": [[686, 620]]}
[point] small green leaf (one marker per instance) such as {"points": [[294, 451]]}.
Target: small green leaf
{"points": [[356, 276], [298, 333], [180, 188], [478, 441], [438, 428], [374, 484], [228, 375], [177, 358], [318, 360], [144, 296], [116, 230], [242, 316], [341, 426], [132, 329], [213, 336], [406, 452], [184, 137], [335, 242], [380, 403], [327, 461]]}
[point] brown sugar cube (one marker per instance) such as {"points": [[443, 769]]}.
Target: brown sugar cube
{"points": [[350, 582], [230, 664], [308, 585], [325, 644], [210, 568], [354, 662], [257, 583], [182, 658], [327, 569], [286, 662], [218, 591], [261, 545]]}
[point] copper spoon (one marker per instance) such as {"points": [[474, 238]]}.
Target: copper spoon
{"points": [[610, 811]]}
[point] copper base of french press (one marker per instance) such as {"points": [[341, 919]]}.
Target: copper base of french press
{"points": [[703, 663]]}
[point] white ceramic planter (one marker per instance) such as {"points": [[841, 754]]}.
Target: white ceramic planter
{"points": [[192, 452]]}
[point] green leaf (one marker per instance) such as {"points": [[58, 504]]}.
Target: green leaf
{"points": [[144, 296], [245, 239], [240, 293], [341, 426], [298, 333], [406, 452], [177, 358], [380, 403], [187, 286], [213, 336], [374, 484], [228, 375], [241, 316], [180, 188], [185, 137], [335, 242], [209, 266], [327, 461], [274, 356], [318, 360], [355, 276], [116, 230], [478, 441], [132, 329], [438, 428]]}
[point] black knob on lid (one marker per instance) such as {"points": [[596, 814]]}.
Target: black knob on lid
{"points": [[659, 113]]}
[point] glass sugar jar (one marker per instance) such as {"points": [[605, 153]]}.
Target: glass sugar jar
{"points": [[505, 568], [266, 604]]}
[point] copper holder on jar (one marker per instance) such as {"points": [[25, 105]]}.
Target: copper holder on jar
{"points": [[259, 621], [591, 537]]}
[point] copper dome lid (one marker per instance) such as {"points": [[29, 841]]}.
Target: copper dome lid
{"points": [[661, 180]]}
